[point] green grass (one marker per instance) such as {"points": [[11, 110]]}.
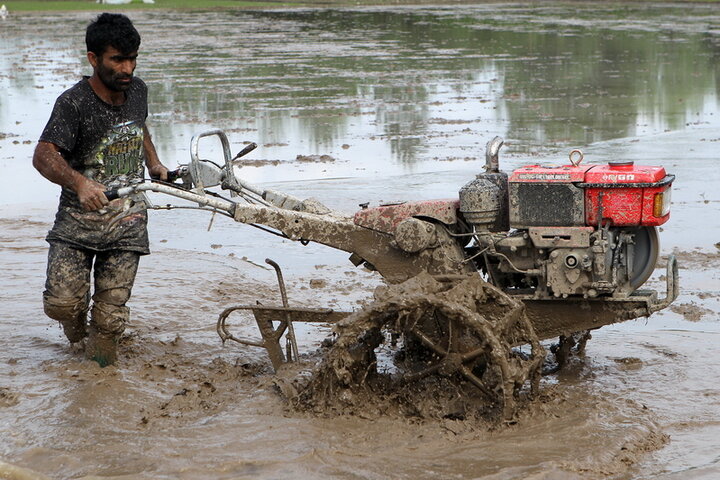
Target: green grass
{"points": [[59, 5]]}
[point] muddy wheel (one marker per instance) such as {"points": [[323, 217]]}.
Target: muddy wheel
{"points": [[467, 333]]}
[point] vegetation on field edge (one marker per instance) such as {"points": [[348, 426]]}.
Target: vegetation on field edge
{"points": [[77, 5]]}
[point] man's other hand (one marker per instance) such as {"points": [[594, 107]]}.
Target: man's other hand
{"points": [[158, 172], [91, 195]]}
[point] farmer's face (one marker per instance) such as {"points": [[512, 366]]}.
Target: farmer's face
{"points": [[114, 68]]}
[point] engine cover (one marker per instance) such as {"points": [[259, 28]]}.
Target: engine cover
{"points": [[619, 194], [626, 195], [547, 196]]}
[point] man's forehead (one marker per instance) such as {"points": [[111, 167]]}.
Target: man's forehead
{"points": [[111, 51]]}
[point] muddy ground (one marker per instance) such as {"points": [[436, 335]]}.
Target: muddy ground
{"points": [[641, 403], [180, 405]]}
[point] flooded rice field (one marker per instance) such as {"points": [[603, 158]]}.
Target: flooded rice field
{"points": [[350, 106]]}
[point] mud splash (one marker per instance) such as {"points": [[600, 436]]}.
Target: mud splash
{"points": [[448, 353]]}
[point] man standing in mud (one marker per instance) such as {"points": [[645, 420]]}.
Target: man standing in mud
{"points": [[96, 140]]}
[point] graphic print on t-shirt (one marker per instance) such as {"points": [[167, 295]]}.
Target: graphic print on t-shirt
{"points": [[119, 155]]}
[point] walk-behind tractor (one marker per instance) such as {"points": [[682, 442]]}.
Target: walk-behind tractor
{"points": [[474, 283]]}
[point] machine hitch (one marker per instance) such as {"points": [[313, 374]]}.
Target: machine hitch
{"points": [[268, 316]]}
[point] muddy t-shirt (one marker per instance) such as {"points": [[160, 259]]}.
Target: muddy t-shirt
{"points": [[105, 143]]}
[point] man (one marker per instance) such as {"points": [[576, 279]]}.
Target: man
{"points": [[96, 140]]}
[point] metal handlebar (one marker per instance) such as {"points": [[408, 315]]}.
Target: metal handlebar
{"points": [[195, 159]]}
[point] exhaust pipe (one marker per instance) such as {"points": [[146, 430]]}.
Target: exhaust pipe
{"points": [[492, 149]]}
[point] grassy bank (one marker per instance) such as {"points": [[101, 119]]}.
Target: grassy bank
{"points": [[59, 5]]}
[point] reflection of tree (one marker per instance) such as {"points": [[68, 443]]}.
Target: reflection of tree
{"points": [[561, 84], [309, 72], [597, 84], [712, 44]]}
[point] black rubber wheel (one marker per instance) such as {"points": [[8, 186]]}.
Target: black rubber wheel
{"points": [[647, 250]]}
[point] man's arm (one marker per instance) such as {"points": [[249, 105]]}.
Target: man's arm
{"points": [[51, 164], [155, 168]]}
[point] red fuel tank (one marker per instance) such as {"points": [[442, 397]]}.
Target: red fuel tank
{"points": [[625, 194], [621, 193]]}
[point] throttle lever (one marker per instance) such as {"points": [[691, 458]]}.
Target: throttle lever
{"points": [[248, 148]]}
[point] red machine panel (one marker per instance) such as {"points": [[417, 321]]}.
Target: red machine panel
{"points": [[627, 195]]}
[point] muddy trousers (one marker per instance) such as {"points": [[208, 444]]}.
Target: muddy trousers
{"points": [[67, 295]]}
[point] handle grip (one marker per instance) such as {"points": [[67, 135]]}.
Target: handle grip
{"points": [[172, 175], [112, 194]]}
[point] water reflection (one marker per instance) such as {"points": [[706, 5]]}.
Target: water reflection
{"points": [[410, 85]]}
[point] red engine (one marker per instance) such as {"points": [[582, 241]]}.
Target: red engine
{"points": [[620, 193], [545, 232], [564, 231]]}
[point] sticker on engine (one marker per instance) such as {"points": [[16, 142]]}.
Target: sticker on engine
{"points": [[629, 177], [544, 176]]}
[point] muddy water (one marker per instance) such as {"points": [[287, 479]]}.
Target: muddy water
{"points": [[402, 100]]}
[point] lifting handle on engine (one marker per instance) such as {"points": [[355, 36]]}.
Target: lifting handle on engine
{"points": [[579, 155]]}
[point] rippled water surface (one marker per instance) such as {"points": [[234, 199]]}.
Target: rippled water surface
{"points": [[401, 101]]}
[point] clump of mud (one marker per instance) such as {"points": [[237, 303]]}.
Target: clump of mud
{"points": [[691, 311], [8, 398], [314, 159], [244, 162], [428, 349]]}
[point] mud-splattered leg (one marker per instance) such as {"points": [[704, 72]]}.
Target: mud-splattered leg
{"points": [[114, 277], [66, 296]]}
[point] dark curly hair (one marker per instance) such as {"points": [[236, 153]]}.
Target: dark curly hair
{"points": [[112, 30]]}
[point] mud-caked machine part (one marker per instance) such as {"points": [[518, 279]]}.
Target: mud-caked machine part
{"points": [[553, 269], [466, 336], [275, 323]]}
